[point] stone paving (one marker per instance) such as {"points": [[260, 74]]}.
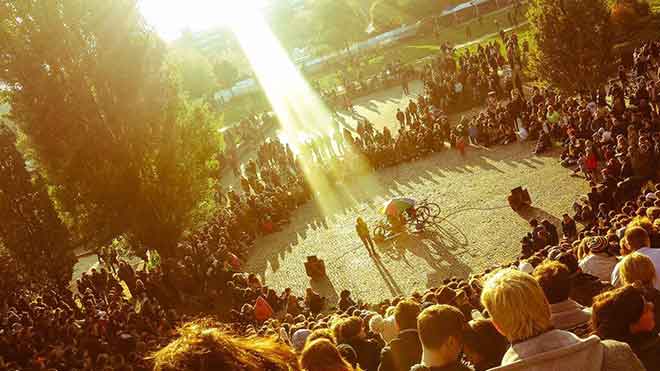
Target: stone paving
{"points": [[479, 232]]}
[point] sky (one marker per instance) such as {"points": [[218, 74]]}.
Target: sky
{"points": [[171, 17]]}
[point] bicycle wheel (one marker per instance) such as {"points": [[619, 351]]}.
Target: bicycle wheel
{"points": [[379, 233], [434, 208], [423, 214]]}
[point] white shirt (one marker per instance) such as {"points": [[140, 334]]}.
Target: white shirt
{"points": [[654, 255], [599, 265]]}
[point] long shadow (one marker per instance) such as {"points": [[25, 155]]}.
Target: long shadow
{"points": [[394, 288], [359, 191]]}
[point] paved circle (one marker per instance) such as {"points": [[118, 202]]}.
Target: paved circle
{"points": [[480, 231]]}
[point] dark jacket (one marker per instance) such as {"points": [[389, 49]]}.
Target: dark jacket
{"points": [[402, 352], [584, 287], [368, 353], [647, 348]]}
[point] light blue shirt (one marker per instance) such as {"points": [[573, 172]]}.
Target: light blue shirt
{"points": [[653, 254]]}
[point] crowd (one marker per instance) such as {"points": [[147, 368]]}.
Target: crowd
{"points": [[582, 298], [354, 82]]}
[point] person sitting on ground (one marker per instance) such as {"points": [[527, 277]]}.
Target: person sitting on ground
{"points": [[623, 314], [636, 239], [520, 311], [204, 346], [568, 227], [384, 325], [594, 257], [483, 346], [441, 334], [323, 355], [584, 286], [638, 268], [565, 314], [405, 350], [314, 301], [351, 332], [345, 301]]}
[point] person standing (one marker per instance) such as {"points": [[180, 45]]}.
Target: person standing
{"points": [[362, 230]]}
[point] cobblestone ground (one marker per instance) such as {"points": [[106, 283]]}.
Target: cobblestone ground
{"points": [[480, 230]]}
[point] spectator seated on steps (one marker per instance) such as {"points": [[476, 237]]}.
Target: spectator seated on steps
{"points": [[520, 311]]}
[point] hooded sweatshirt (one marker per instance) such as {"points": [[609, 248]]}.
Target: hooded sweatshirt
{"points": [[558, 350]]}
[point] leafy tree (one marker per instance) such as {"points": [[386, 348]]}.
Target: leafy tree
{"points": [[31, 231], [125, 154], [575, 41], [225, 73], [197, 74], [336, 24]]}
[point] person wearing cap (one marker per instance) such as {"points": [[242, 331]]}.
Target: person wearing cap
{"points": [[594, 257], [299, 338], [441, 329], [405, 350], [520, 311]]}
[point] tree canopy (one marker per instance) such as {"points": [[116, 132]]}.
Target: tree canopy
{"points": [[31, 231], [124, 153], [196, 72], [575, 41]]}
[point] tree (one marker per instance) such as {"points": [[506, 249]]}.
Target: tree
{"points": [[225, 73], [197, 75], [575, 41], [124, 152], [336, 24], [31, 231]]}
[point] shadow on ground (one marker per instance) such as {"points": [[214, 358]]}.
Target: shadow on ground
{"points": [[351, 197]]}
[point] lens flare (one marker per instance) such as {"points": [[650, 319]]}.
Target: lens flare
{"points": [[302, 116]]}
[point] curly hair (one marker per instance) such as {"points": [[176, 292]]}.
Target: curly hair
{"points": [[204, 345]]}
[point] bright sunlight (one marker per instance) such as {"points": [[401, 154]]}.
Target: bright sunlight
{"points": [[171, 17]]}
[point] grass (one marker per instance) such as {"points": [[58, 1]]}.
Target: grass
{"points": [[422, 46], [409, 51]]}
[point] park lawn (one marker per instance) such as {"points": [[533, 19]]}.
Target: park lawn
{"points": [[413, 49]]}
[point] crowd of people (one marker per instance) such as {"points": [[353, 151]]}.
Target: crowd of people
{"points": [[583, 297]]}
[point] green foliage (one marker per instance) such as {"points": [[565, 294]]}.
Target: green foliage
{"points": [[574, 39], [336, 24], [31, 231], [196, 73], [225, 73], [125, 154]]}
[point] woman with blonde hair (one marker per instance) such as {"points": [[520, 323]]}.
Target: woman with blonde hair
{"points": [[204, 346], [322, 355], [520, 311], [638, 269]]}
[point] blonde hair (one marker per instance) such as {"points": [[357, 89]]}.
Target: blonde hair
{"points": [[204, 346], [581, 250], [637, 267], [516, 304], [635, 238], [322, 355]]}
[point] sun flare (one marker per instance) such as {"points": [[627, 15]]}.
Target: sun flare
{"points": [[171, 17]]}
